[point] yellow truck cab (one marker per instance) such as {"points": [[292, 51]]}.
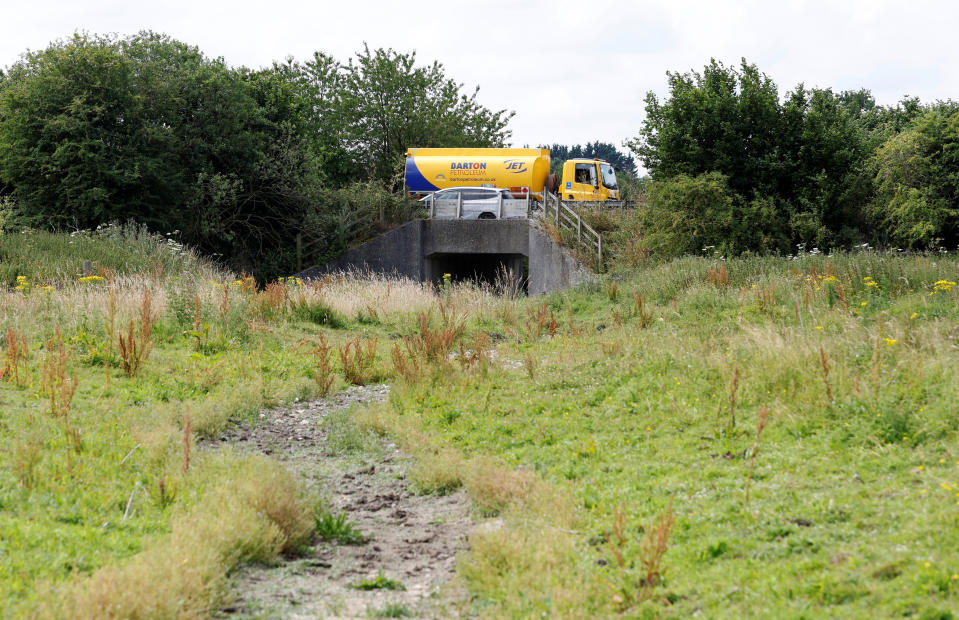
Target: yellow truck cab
{"points": [[588, 180]]}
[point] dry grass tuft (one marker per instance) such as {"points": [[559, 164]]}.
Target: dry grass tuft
{"points": [[254, 515], [438, 471], [495, 488]]}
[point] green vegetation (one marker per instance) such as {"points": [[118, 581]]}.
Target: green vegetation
{"points": [[337, 528], [815, 167], [113, 504], [761, 436], [381, 582], [393, 610], [268, 169]]}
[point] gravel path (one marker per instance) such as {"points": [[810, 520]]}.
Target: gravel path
{"points": [[412, 539]]}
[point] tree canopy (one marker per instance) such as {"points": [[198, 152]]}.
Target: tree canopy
{"points": [[814, 167], [101, 128], [601, 150]]}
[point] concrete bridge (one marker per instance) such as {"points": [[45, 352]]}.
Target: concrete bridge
{"points": [[425, 250]]}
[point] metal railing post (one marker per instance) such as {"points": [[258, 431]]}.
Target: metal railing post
{"points": [[499, 213], [459, 205]]}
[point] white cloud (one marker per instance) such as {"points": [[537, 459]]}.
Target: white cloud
{"points": [[573, 70]]}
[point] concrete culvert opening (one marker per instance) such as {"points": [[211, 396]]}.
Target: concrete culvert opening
{"points": [[490, 269]]}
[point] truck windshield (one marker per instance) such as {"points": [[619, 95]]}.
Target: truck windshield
{"points": [[609, 176]]}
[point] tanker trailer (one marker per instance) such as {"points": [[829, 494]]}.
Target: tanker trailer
{"points": [[522, 171]]}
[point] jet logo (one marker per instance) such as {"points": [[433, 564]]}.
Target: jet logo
{"points": [[515, 166]]}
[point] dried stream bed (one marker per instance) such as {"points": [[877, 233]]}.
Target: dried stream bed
{"points": [[412, 539]]}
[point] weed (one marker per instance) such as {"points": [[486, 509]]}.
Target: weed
{"points": [[337, 528], [405, 364], [16, 366], [494, 488], [733, 389], [766, 298], [136, 347], [612, 349], [357, 360], [825, 373], [540, 320], [187, 436], [760, 426], [393, 610], [54, 382], [223, 308], [344, 436], [653, 546], [506, 283], [644, 315], [877, 362], [720, 278], [323, 366], [612, 291], [435, 345], [381, 582], [25, 456], [479, 356], [111, 317], [530, 363]]}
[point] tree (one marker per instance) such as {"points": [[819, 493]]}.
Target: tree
{"points": [[797, 167], [95, 129], [917, 176], [600, 150], [381, 102]]}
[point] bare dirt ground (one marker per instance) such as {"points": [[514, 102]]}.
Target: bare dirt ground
{"points": [[411, 539]]}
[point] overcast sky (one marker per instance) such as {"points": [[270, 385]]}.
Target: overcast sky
{"points": [[574, 71]]}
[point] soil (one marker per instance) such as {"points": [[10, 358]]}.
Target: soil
{"points": [[411, 539]]}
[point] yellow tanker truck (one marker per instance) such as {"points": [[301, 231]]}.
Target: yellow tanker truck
{"points": [[522, 171]]}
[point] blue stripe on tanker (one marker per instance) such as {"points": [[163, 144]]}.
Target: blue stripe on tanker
{"points": [[415, 181]]}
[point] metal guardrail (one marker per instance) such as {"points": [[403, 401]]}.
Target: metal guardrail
{"points": [[504, 208], [565, 218]]}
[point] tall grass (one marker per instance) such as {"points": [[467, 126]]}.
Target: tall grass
{"points": [[49, 258]]}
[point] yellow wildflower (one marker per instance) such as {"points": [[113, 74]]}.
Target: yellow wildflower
{"points": [[913, 315], [890, 341], [864, 303]]}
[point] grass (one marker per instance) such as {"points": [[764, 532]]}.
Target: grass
{"points": [[796, 421], [104, 476], [766, 436]]}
